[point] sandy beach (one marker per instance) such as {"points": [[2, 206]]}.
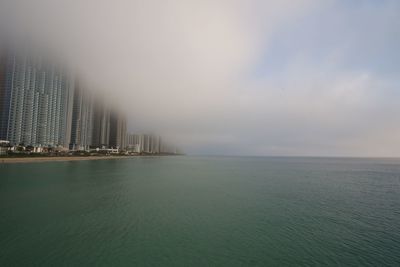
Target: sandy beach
{"points": [[49, 159]]}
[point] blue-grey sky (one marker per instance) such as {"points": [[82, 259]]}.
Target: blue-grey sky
{"points": [[251, 77]]}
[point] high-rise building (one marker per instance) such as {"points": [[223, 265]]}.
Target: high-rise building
{"points": [[82, 119], [117, 130], [155, 144], [144, 143], [36, 99], [5, 94], [101, 124], [133, 142]]}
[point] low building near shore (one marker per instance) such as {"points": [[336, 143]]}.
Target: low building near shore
{"points": [[4, 147]]}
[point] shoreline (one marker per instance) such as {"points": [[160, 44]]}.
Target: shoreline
{"points": [[59, 159]]}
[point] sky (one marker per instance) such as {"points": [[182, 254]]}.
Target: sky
{"points": [[234, 77]]}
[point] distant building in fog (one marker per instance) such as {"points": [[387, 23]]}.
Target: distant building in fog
{"points": [[144, 143], [82, 119], [133, 142], [117, 130], [101, 125]]}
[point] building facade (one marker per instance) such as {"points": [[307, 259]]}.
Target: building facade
{"points": [[117, 130], [36, 102], [144, 143], [101, 125], [82, 119]]}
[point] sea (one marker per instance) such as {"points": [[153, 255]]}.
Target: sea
{"points": [[201, 211]]}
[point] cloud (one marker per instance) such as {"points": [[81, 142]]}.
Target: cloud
{"points": [[234, 77]]}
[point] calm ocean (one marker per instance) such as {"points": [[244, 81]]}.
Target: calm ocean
{"points": [[201, 211]]}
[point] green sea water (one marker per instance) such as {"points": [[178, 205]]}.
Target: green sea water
{"points": [[201, 211]]}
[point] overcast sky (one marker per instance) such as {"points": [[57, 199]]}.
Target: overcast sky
{"points": [[288, 77]]}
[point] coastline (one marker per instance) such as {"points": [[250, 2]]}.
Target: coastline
{"points": [[50, 159]]}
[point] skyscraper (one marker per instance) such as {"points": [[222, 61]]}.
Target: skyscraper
{"points": [[133, 142], [117, 130], [35, 101], [82, 119], [5, 93], [144, 143], [101, 124]]}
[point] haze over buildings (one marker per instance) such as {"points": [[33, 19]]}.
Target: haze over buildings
{"points": [[236, 77], [42, 105]]}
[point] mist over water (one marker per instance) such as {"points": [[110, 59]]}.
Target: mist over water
{"points": [[232, 77]]}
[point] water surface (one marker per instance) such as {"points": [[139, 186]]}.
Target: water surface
{"points": [[201, 211]]}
